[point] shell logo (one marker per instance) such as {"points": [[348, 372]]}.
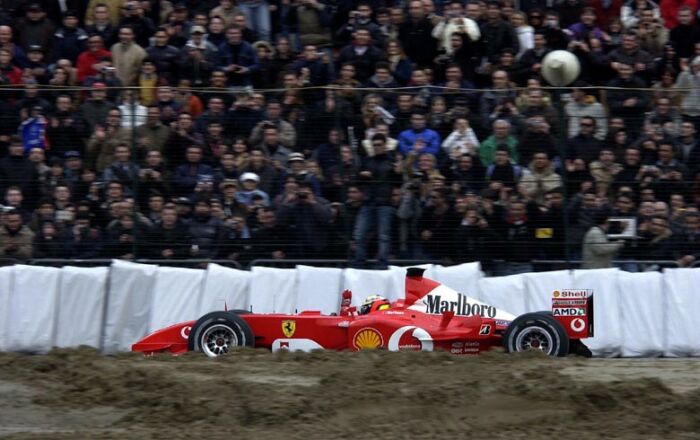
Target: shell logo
{"points": [[367, 339], [556, 294]]}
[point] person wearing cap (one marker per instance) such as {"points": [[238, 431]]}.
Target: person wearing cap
{"points": [[35, 29], [70, 40], [36, 65], [249, 190]]}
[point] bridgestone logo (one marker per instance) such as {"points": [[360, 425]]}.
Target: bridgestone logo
{"points": [[461, 307]]}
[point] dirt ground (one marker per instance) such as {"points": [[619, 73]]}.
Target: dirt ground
{"points": [[253, 394]]}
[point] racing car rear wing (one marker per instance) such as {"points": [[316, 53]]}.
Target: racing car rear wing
{"points": [[573, 308]]}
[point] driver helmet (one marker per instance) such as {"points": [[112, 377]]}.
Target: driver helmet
{"points": [[374, 303]]}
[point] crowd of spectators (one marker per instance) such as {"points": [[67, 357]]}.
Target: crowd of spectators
{"points": [[356, 130]]}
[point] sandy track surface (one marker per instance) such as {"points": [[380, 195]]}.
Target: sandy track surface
{"points": [[253, 394]]}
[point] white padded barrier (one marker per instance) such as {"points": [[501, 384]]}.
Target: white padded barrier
{"points": [[505, 293], [641, 314], [176, 296], [81, 296], [641, 304], [364, 283], [682, 307], [606, 307], [273, 290], [5, 292], [33, 301], [224, 288], [540, 286], [128, 304], [463, 278], [319, 289]]}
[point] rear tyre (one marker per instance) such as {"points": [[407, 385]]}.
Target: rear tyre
{"points": [[217, 333], [536, 331]]}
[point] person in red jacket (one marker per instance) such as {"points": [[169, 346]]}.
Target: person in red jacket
{"points": [[10, 73], [669, 10], [90, 62]]}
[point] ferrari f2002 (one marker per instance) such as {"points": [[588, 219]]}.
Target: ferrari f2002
{"points": [[430, 317]]}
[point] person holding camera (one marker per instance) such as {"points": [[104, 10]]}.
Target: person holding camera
{"points": [[237, 58], [307, 217], [598, 251]]}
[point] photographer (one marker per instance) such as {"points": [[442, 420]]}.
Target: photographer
{"points": [[598, 251], [307, 217], [168, 239]]}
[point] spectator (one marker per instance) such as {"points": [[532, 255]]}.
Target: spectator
{"points": [[15, 238], [204, 231], [237, 58], [686, 246], [598, 251], [361, 54], [101, 145], [35, 29], [690, 78], [127, 56], [604, 171], [419, 139], [153, 134], [122, 170], [455, 22], [91, 61], [378, 175], [250, 192], [169, 239], [273, 117], [436, 225], [99, 24], [307, 217], [501, 137], [621, 103], [164, 56], [186, 176], [462, 140], [415, 35], [497, 34], [539, 178]]}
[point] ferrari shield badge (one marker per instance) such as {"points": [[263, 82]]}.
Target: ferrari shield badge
{"points": [[288, 328]]}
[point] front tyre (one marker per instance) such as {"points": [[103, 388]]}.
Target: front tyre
{"points": [[217, 333], [536, 331]]}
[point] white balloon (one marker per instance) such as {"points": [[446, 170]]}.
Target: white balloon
{"points": [[560, 68]]}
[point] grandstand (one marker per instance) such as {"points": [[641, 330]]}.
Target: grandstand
{"points": [[349, 133]]}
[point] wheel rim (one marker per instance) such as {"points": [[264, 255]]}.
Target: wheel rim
{"points": [[218, 340], [534, 338]]}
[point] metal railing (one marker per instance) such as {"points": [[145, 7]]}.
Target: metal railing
{"points": [[341, 263]]}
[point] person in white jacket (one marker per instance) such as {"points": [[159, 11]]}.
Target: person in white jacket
{"points": [[454, 21], [630, 13], [462, 140]]}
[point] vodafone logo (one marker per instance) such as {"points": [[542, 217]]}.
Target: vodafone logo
{"points": [[185, 332], [578, 324], [424, 338]]}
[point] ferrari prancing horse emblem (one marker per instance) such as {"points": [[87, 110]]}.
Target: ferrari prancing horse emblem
{"points": [[288, 328]]}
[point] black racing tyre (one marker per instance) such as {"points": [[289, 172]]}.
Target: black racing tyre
{"points": [[217, 333], [538, 331]]}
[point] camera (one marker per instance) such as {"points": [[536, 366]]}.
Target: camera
{"points": [[302, 195]]}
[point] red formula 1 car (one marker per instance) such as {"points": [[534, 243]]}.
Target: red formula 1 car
{"points": [[431, 317]]}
